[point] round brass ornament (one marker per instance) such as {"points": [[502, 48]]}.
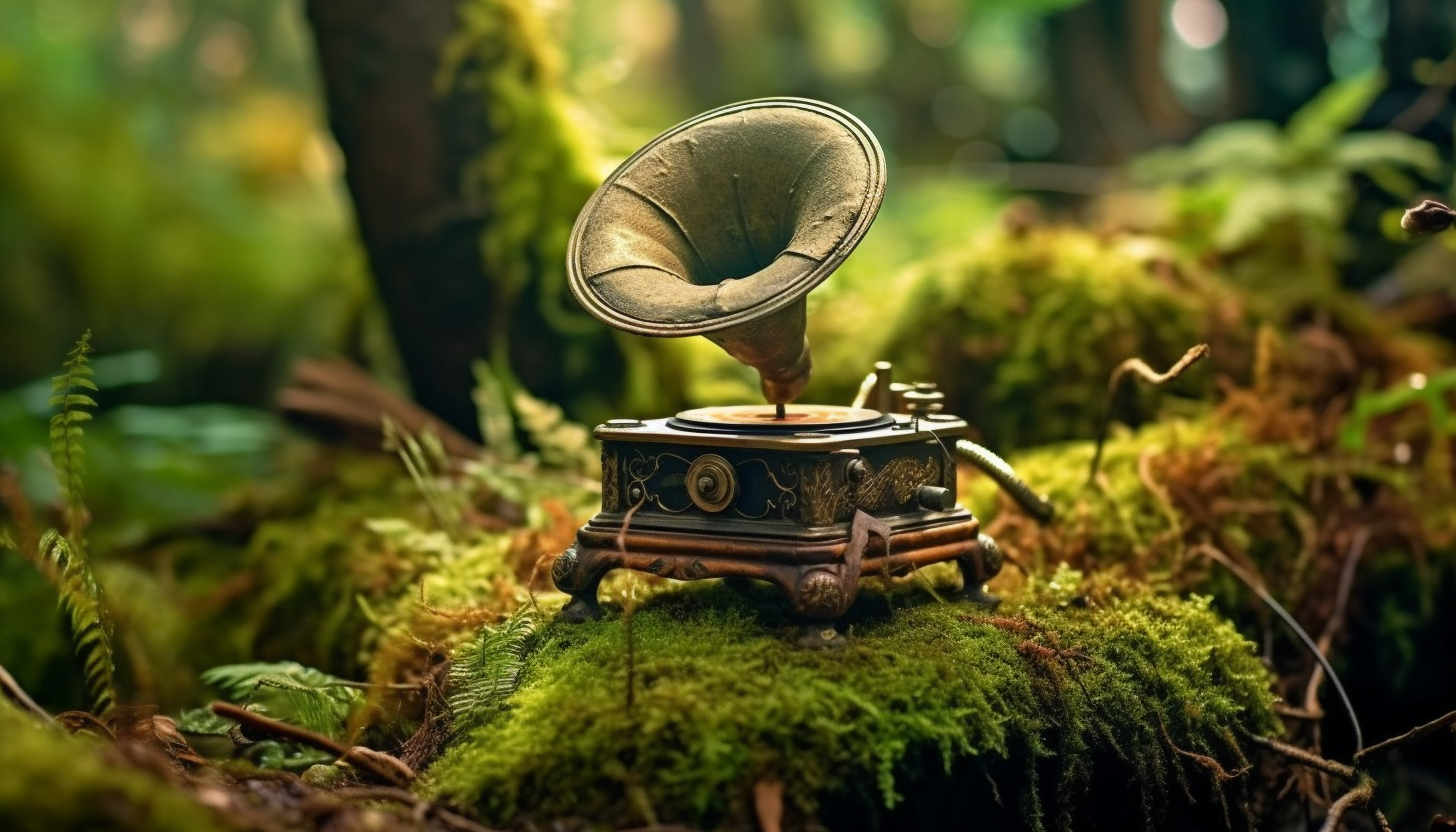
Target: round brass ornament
{"points": [[712, 483]]}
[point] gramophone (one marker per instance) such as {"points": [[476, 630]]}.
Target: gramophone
{"points": [[720, 227]]}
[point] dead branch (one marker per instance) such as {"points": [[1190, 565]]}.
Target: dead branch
{"points": [[1409, 736], [1308, 758], [382, 766], [1214, 767], [768, 804], [408, 798], [17, 694], [337, 392], [1360, 795]]}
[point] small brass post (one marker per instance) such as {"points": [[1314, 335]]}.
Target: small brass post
{"points": [[884, 373]]}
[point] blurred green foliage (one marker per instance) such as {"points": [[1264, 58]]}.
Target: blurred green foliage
{"points": [[1273, 202], [166, 181]]}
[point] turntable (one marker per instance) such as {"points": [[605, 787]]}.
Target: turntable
{"points": [[721, 227]]}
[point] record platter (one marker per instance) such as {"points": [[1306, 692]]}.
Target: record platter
{"points": [[720, 227]]}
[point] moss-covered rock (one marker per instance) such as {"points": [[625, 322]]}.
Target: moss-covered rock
{"points": [[1027, 713], [54, 782], [1021, 328]]}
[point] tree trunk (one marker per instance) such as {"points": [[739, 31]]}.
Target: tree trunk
{"points": [[1112, 98], [1277, 56], [405, 147]]}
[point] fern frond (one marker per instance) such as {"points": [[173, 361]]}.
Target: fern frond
{"points": [[81, 598], [289, 692], [487, 670], [422, 458], [66, 433], [497, 423]]}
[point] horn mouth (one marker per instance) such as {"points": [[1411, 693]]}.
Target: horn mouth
{"points": [[732, 215]]}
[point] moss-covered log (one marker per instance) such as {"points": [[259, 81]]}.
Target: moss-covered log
{"points": [[1079, 697]]}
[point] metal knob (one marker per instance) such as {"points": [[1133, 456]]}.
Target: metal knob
{"points": [[922, 400], [935, 498], [712, 483]]}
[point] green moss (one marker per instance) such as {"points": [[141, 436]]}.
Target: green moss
{"points": [[1022, 329], [1165, 487], [54, 782], [1037, 698], [1119, 520]]}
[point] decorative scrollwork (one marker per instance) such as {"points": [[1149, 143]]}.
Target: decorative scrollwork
{"points": [[681, 570], [894, 485], [823, 500], [784, 499], [642, 469], [821, 595]]}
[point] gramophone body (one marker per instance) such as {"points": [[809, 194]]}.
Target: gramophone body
{"points": [[721, 227]]}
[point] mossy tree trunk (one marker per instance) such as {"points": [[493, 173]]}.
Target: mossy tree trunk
{"points": [[406, 147]]}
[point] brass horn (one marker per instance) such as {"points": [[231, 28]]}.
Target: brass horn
{"points": [[722, 225]]}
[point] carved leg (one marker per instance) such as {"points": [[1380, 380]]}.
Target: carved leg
{"points": [[579, 574], [978, 568], [826, 592]]}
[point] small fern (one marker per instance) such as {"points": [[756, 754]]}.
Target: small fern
{"points": [[423, 458], [66, 432], [487, 670], [81, 598], [289, 692], [497, 424]]}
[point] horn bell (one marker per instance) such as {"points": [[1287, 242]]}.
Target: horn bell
{"points": [[722, 225]]}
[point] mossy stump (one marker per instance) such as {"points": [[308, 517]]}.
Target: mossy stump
{"points": [[1076, 706]]}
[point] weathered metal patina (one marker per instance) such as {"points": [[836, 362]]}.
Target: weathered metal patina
{"points": [[720, 227]]}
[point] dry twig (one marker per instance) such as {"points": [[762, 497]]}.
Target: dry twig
{"points": [[337, 392], [1256, 586], [1337, 618], [382, 766], [17, 694]]}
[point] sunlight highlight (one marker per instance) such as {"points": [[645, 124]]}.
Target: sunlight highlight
{"points": [[1202, 24]]}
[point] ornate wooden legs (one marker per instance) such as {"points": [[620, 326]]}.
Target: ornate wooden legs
{"points": [[819, 579], [978, 568], [578, 574]]}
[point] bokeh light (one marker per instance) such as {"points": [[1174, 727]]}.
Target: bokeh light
{"points": [[1031, 132], [1201, 24]]}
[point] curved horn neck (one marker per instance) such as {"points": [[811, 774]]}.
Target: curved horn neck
{"points": [[775, 346]]}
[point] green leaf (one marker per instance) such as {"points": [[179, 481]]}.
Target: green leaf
{"points": [[203, 721], [81, 598], [487, 670], [70, 400], [66, 434], [1238, 145], [289, 692], [561, 443], [1334, 110], [497, 426], [1366, 150]]}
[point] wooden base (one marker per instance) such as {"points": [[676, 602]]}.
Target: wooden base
{"points": [[820, 576]]}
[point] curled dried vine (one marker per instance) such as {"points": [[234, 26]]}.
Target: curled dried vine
{"points": [[1139, 368]]}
